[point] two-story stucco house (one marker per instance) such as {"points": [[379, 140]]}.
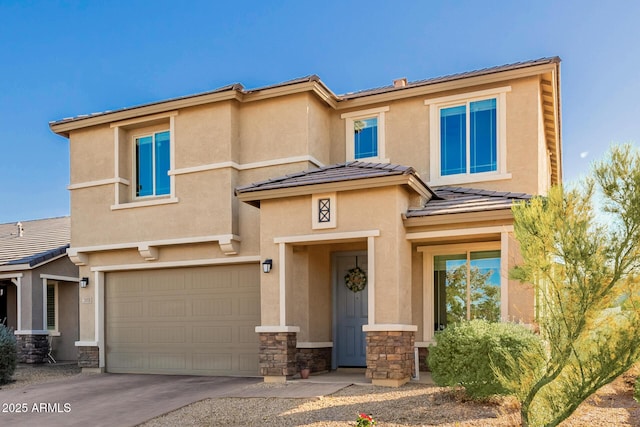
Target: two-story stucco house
{"points": [[245, 232]]}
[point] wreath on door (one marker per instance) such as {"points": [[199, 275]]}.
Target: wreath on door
{"points": [[355, 279]]}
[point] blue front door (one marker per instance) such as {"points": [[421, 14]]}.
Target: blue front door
{"points": [[351, 313]]}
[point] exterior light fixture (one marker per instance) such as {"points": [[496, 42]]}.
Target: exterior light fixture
{"points": [[84, 282], [266, 265]]}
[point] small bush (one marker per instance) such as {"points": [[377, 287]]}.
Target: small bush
{"points": [[636, 390], [8, 354], [464, 352]]}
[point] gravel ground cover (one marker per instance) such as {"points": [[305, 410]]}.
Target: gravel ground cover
{"points": [[25, 374], [410, 405]]}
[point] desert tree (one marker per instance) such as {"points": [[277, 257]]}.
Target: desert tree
{"points": [[581, 250]]}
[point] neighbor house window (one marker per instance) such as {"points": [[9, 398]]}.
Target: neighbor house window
{"points": [[365, 135], [466, 286], [468, 137], [51, 307], [152, 162]]}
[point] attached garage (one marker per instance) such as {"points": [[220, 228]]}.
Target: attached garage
{"points": [[191, 321]]}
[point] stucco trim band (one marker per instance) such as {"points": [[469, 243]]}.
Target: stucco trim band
{"points": [[276, 329], [307, 344], [310, 238], [391, 327]]}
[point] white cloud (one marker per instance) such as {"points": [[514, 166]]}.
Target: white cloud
{"points": [[584, 154]]}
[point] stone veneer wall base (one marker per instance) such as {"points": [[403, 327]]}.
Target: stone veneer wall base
{"points": [[317, 359], [89, 357], [390, 357], [32, 348], [277, 355]]}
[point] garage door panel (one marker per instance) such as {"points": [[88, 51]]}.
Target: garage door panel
{"points": [[167, 361], [126, 335], [204, 326], [213, 307]]}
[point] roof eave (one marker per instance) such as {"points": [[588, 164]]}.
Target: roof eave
{"points": [[457, 83], [503, 215], [64, 127], [254, 197]]}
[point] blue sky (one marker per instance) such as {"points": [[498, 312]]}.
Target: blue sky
{"points": [[63, 58]]}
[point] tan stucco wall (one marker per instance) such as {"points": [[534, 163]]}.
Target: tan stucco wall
{"points": [[267, 130], [356, 211], [408, 138]]}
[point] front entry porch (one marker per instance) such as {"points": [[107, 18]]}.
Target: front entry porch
{"points": [[326, 321]]}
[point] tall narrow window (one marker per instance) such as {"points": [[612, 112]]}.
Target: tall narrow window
{"points": [[466, 286], [51, 307], [365, 133], [152, 164]]}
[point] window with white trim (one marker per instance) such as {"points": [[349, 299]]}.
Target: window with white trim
{"points": [[468, 137], [152, 164], [463, 282], [365, 135], [52, 307], [144, 161], [466, 286]]}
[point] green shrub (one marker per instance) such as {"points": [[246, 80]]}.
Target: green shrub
{"points": [[636, 390], [464, 353], [8, 354]]}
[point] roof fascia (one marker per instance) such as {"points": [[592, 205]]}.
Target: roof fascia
{"points": [[63, 129], [356, 184], [500, 215], [317, 88], [15, 267], [460, 83]]}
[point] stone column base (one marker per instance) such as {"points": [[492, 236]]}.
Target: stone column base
{"points": [[89, 357], [277, 355], [32, 348], [390, 357]]}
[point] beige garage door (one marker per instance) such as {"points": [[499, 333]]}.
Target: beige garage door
{"points": [[197, 321]]}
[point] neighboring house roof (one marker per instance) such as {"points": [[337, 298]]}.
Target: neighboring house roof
{"points": [[40, 240], [454, 200], [348, 171], [240, 90]]}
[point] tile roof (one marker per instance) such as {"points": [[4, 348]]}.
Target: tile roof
{"points": [[348, 171], [238, 87], [453, 77], [41, 239], [454, 200]]}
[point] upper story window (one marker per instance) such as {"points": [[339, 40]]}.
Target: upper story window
{"points": [[468, 137], [468, 142], [365, 135], [144, 161], [152, 164]]}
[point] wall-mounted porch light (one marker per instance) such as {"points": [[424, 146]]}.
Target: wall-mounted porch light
{"points": [[84, 282], [266, 265]]}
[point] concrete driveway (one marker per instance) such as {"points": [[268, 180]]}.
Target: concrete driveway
{"points": [[110, 399]]}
